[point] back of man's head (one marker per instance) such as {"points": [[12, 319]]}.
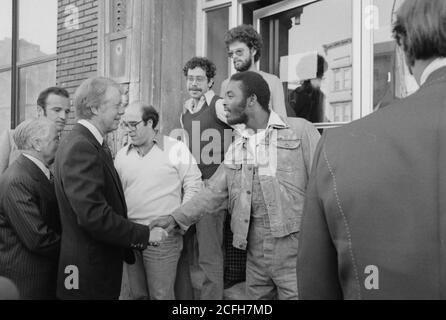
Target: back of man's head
{"points": [[91, 94], [30, 130], [420, 29], [253, 83]]}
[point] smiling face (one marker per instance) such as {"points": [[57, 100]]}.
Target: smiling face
{"points": [[197, 83], [57, 110], [241, 55], [235, 104], [110, 111]]}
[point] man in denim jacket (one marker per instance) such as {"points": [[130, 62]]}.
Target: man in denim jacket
{"points": [[264, 177]]}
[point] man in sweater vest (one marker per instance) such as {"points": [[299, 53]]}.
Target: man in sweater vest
{"points": [[209, 136]]}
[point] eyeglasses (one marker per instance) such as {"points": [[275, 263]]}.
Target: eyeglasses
{"points": [[197, 79], [131, 125], [238, 53]]}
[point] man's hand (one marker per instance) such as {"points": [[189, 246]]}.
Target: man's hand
{"points": [[157, 235], [168, 223]]}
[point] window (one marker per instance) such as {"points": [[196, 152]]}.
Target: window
{"points": [[28, 47], [391, 78], [340, 51], [215, 48]]}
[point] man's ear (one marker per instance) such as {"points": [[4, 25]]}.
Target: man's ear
{"points": [[40, 112], [95, 110], [36, 144], [252, 99]]}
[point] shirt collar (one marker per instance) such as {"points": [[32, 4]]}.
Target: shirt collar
{"points": [[431, 68], [189, 104], [274, 122], [158, 140], [39, 164], [94, 131]]}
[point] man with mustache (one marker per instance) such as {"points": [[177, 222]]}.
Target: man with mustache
{"points": [[52, 103], [97, 236], [202, 256], [244, 46]]}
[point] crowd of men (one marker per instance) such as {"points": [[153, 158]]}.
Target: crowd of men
{"points": [[354, 214]]}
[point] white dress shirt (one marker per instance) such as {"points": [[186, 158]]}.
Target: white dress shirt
{"points": [[94, 131]]}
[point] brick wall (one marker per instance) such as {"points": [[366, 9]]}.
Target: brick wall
{"points": [[77, 40]]}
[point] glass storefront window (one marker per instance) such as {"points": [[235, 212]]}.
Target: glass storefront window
{"points": [[391, 78], [218, 23], [310, 49], [5, 101], [33, 80], [5, 32], [37, 39]]}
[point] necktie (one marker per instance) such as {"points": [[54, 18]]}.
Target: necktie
{"points": [[107, 150]]}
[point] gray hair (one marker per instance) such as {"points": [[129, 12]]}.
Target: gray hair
{"points": [[32, 129], [91, 94]]}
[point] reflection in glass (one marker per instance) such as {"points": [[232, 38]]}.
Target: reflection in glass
{"points": [[37, 29], [310, 49], [33, 80], [5, 101], [217, 23], [5, 32], [391, 77]]}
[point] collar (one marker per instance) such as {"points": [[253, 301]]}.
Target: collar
{"points": [[94, 131], [158, 140], [274, 122], [39, 164], [431, 68], [207, 97]]}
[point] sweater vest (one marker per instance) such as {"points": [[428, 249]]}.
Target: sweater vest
{"points": [[208, 137]]}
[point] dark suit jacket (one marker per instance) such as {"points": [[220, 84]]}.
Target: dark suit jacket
{"points": [[29, 230], [377, 198], [96, 236]]}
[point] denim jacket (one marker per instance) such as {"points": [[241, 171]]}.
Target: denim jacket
{"points": [[288, 149]]}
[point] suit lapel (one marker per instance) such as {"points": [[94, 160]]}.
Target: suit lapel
{"points": [[105, 157]]}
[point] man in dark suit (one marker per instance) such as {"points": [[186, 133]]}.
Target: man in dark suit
{"points": [[29, 217], [374, 223], [97, 237]]}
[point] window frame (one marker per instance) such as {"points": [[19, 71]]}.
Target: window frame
{"points": [[361, 77], [15, 67]]}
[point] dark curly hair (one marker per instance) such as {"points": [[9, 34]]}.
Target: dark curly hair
{"points": [[203, 63], [247, 34]]}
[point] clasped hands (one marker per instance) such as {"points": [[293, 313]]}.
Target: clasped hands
{"points": [[160, 229]]}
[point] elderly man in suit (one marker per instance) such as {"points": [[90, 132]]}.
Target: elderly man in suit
{"points": [[374, 224], [29, 217], [97, 235]]}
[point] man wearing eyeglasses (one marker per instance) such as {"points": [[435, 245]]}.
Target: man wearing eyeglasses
{"points": [[200, 274], [244, 46], [155, 170]]}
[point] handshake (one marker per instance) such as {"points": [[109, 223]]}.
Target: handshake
{"points": [[160, 228]]}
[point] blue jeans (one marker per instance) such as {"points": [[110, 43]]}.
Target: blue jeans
{"points": [[200, 271], [153, 274], [271, 263]]}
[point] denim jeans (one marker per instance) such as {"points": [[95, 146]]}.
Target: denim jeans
{"points": [[271, 263], [153, 274], [200, 275]]}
